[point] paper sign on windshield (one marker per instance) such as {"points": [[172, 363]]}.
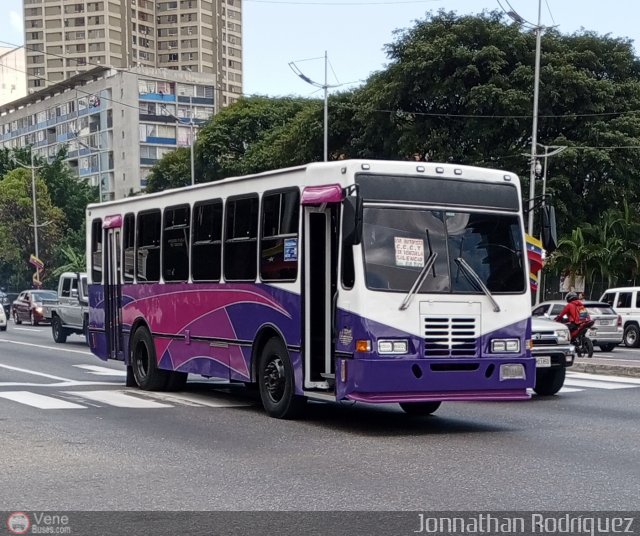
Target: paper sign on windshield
{"points": [[409, 252]]}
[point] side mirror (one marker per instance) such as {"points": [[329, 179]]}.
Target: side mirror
{"points": [[549, 232], [352, 220], [74, 292]]}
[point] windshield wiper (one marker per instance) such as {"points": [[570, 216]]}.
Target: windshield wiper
{"points": [[418, 282], [475, 280]]}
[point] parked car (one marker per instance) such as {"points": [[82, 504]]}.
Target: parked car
{"points": [[33, 306], [3, 320], [5, 301], [607, 330], [626, 302], [553, 352]]}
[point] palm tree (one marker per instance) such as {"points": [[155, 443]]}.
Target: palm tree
{"points": [[76, 262]]}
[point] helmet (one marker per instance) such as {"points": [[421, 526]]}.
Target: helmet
{"points": [[572, 296]]}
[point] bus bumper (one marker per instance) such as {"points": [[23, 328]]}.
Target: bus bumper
{"points": [[420, 380]]}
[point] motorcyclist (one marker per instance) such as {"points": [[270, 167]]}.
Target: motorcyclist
{"points": [[574, 313]]}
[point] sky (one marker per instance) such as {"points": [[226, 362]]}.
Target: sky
{"points": [[354, 33]]}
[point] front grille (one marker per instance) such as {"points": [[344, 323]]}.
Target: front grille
{"points": [[544, 338], [450, 336]]}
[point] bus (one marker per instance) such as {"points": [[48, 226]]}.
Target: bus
{"points": [[371, 281]]}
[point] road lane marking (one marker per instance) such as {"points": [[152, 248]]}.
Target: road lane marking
{"points": [[570, 390], [614, 379], [195, 399], [118, 399], [34, 373], [39, 401], [56, 348], [597, 384], [101, 371], [28, 329]]}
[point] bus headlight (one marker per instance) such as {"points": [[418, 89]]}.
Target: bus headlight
{"points": [[504, 346], [397, 346]]}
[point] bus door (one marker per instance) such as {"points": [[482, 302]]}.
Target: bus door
{"points": [[113, 292], [319, 288]]}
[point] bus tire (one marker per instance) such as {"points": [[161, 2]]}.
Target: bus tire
{"points": [[57, 330], [143, 360], [275, 382], [177, 381], [549, 382], [418, 409], [130, 380]]}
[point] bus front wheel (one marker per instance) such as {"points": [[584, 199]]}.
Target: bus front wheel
{"points": [[143, 360], [275, 382], [419, 408]]}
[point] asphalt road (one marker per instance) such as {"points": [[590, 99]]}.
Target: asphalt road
{"points": [[104, 447]]}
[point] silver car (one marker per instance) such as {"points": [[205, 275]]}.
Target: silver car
{"points": [[3, 319], [607, 328]]}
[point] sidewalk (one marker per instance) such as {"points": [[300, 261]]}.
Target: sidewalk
{"points": [[611, 367]]}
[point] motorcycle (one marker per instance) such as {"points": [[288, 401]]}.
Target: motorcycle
{"points": [[583, 344]]}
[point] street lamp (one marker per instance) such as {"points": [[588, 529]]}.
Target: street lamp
{"points": [[536, 83], [36, 262], [33, 168], [324, 87], [192, 140]]}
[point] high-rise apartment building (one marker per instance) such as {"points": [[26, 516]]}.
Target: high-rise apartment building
{"points": [[66, 37], [115, 124]]}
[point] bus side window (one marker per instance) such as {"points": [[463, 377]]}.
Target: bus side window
{"points": [[129, 235], [96, 251], [240, 243], [148, 247], [175, 243], [279, 243], [206, 241]]}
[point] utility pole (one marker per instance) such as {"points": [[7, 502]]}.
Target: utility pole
{"points": [[536, 85]]}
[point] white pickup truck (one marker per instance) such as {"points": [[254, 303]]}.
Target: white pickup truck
{"points": [[71, 313]]}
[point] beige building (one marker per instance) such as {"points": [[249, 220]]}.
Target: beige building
{"points": [[66, 37], [12, 80]]}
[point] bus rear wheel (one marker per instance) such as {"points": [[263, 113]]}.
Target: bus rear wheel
{"points": [[419, 408], [275, 382], [143, 360]]}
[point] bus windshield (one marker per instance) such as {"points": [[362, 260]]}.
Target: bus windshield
{"points": [[398, 242]]}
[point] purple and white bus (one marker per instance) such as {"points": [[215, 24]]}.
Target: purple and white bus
{"points": [[371, 281]]}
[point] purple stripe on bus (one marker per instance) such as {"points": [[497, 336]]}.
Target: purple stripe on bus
{"points": [[232, 315]]}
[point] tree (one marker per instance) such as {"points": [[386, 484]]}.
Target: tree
{"points": [[67, 191], [75, 262], [227, 141], [172, 171], [459, 88], [16, 226]]}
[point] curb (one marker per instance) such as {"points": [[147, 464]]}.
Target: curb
{"points": [[607, 368]]}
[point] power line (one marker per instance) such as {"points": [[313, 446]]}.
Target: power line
{"points": [[498, 116]]}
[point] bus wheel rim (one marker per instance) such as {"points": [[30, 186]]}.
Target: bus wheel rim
{"points": [[275, 379]]}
